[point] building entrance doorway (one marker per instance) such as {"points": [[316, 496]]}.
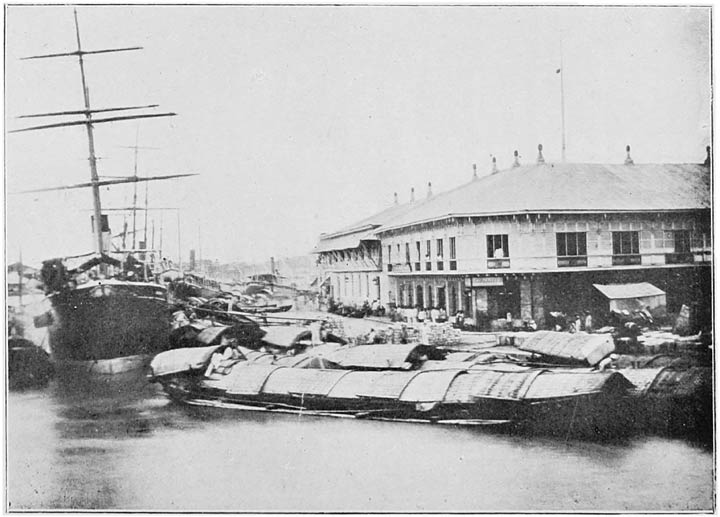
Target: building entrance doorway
{"points": [[419, 296], [503, 300], [441, 297]]}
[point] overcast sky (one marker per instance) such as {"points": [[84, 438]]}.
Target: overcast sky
{"points": [[302, 120]]}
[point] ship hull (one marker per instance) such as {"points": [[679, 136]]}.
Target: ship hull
{"points": [[108, 322]]}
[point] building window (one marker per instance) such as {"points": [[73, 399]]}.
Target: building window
{"points": [[428, 256], [407, 253], [439, 246], [497, 251], [682, 241], [453, 258], [389, 258], [419, 255], [626, 248], [571, 249]]}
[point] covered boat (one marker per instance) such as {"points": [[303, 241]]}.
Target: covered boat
{"points": [[389, 384]]}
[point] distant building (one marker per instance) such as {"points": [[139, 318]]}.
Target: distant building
{"points": [[535, 238]]}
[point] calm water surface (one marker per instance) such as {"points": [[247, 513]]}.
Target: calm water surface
{"points": [[125, 447]]}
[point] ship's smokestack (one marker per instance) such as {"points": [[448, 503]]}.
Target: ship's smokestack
{"points": [[475, 176], [540, 158], [429, 194], [412, 195], [494, 165]]}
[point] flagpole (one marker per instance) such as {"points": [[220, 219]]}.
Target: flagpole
{"points": [[562, 102]]}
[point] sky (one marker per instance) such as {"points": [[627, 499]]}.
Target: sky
{"points": [[300, 120]]}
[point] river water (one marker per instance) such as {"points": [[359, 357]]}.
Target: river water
{"points": [[110, 446]]}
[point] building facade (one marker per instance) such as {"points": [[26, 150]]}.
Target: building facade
{"points": [[534, 239]]}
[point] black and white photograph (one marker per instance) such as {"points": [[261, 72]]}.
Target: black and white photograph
{"points": [[359, 258]]}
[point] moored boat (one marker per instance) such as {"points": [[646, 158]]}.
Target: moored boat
{"points": [[115, 325], [388, 382], [108, 315]]}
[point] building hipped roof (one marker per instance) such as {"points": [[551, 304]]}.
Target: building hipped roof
{"points": [[351, 236], [565, 187], [344, 242]]}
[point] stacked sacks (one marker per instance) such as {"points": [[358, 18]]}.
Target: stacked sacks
{"points": [[441, 334], [336, 327]]}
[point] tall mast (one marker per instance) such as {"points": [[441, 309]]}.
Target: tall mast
{"points": [[91, 145], [145, 235], [562, 102], [134, 212], [21, 271], [88, 121]]}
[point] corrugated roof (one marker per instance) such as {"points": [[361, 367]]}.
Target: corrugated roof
{"points": [[622, 291], [569, 187], [590, 348]]}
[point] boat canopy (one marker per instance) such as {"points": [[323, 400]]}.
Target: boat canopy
{"points": [[681, 382], [371, 384], [211, 334], [181, 360], [385, 357], [288, 381], [565, 383], [578, 347], [532, 385], [284, 336]]}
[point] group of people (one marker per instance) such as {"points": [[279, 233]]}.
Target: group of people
{"points": [[421, 315], [356, 311], [581, 322]]}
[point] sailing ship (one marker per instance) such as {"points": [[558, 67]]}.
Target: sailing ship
{"points": [[108, 313]]}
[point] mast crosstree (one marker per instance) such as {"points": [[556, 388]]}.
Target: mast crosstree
{"points": [[89, 122]]}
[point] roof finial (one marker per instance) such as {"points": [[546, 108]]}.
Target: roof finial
{"points": [[708, 159], [396, 199], [540, 158], [475, 176], [516, 163], [412, 195], [429, 194], [494, 165], [628, 159]]}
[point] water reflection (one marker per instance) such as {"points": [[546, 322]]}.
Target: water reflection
{"points": [[123, 446]]}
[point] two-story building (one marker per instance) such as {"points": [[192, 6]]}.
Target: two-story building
{"points": [[350, 259], [536, 238]]}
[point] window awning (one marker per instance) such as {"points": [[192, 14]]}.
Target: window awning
{"points": [[623, 291]]}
